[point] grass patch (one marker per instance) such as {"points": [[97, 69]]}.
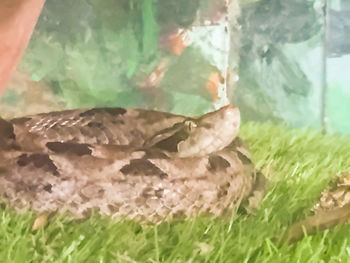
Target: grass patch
{"points": [[298, 163]]}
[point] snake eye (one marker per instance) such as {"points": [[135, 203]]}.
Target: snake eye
{"points": [[191, 125]]}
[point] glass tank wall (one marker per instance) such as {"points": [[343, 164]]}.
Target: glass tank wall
{"points": [[284, 61], [281, 64], [165, 55], [294, 64], [338, 67]]}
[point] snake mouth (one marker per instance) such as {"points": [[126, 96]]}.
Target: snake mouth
{"points": [[168, 139]]}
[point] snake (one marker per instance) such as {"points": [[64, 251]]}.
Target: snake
{"points": [[143, 165]]}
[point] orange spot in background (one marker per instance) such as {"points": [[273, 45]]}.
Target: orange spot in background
{"points": [[212, 85], [156, 76], [179, 42]]}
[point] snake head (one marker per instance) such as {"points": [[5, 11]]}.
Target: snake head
{"points": [[198, 136], [212, 132]]}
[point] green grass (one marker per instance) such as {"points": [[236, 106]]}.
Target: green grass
{"points": [[298, 163]]}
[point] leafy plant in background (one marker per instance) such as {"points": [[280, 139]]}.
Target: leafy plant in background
{"points": [[89, 55], [96, 57], [95, 52]]}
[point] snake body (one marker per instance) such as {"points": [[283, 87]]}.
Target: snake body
{"points": [[138, 164]]}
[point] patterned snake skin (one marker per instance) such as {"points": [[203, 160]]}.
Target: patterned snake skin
{"points": [[136, 164]]}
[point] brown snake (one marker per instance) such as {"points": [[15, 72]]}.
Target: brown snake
{"points": [[139, 164]]}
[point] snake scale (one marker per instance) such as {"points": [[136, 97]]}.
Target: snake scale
{"points": [[138, 164]]}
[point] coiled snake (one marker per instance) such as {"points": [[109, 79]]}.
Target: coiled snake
{"points": [[139, 164]]}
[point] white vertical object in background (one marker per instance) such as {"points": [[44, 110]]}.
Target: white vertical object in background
{"points": [[213, 40], [214, 43]]}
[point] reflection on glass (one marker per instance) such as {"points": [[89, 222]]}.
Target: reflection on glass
{"points": [[165, 55]]}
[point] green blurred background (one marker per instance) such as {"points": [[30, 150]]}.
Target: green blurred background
{"points": [[289, 60]]}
